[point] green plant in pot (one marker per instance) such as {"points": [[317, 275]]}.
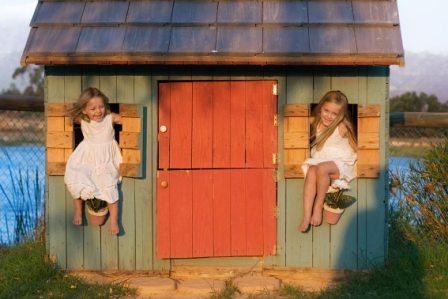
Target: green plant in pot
{"points": [[96, 206], [335, 203]]}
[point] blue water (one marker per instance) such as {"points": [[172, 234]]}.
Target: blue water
{"points": [[22, 190], [22, 185]]}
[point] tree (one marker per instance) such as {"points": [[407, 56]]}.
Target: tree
{"points": [[413, 102], [34, 78]]}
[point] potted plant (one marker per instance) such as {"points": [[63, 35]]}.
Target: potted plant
{"points": [[97, 210], [335, 203]]}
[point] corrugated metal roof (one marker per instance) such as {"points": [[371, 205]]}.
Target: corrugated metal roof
{"points": [[215, 32]]}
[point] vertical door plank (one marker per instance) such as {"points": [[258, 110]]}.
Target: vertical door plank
{"points": [[181, 214], [180, 137], [163, 215], [254, 124], [202, 125], [269, 129], [164, 120], [221, 124], [237, 124], [221, 212], [238, 212], [254, 211], [269, 213], [202, 213]]}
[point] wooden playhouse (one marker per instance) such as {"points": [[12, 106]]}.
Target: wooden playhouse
{"points": [[215, 98]]}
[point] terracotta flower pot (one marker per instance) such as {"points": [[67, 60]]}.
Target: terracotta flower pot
{"points": [[97, 218], [332, 215]]}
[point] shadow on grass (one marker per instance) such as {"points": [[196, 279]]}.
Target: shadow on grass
{"points": [[26, 272]]}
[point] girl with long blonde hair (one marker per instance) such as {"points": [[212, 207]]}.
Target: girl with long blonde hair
{"points": [[333, 156]]}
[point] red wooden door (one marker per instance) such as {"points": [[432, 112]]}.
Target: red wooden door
{"points": [[216, 192]]}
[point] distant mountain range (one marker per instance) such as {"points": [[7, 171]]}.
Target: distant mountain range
{"points": [[424, 72]]}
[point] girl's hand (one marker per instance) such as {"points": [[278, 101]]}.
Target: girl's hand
{"points": [[116, 118]]}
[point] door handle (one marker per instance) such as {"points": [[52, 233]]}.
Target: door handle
{"points": [[163, 129], [164, 184]]}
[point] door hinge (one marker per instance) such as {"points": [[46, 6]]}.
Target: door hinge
{"points": [[274, 158], [275, 120], [275, 175], [275, 89]]}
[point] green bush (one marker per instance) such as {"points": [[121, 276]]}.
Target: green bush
{"points": [[423, 196]]}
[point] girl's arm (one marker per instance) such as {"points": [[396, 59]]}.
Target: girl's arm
{"points": [[115, 118], [342, 129]]}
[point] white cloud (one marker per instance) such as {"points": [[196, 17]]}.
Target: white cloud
{"points": [[17, 11]]}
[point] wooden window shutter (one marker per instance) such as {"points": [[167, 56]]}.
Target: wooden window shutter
{"points": [[368, 165], [59, 139], [296, 138], [131, 140]]}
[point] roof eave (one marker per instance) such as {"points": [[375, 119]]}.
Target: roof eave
{"points": [[123, 59]]}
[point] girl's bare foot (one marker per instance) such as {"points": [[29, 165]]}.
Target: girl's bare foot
{"points": [[316, 218], [113, 228], [304, 225], [77, 218]]}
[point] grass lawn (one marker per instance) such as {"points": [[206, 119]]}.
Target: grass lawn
{"points": [[25, 272]]}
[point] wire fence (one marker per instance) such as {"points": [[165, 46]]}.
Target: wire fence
{"points": [[22, 172], [414, 141]]}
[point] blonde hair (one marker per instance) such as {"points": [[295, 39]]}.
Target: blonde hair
{"points": [[86, 95], [337, 97]]}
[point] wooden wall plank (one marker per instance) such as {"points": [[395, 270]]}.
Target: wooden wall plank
{"points": [[56, 195], [344, 243], [143, 186], [92, 234], [157, 263], [75, 234], [163, 215], [269, 213], [299, 250], [321, 234], [164, 114], [376, 189], [362, 184], [126, 239], [279, 258], [109, 243]]}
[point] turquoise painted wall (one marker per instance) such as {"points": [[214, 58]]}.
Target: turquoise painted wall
{"points": [[357, 241]]}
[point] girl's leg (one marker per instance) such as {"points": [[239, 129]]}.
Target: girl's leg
{"points": [[77, 214], [325, 172], [113, 214], [309, 192]]}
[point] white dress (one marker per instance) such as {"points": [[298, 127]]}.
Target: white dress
{"points": [[92, 169], [337, 149]]}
